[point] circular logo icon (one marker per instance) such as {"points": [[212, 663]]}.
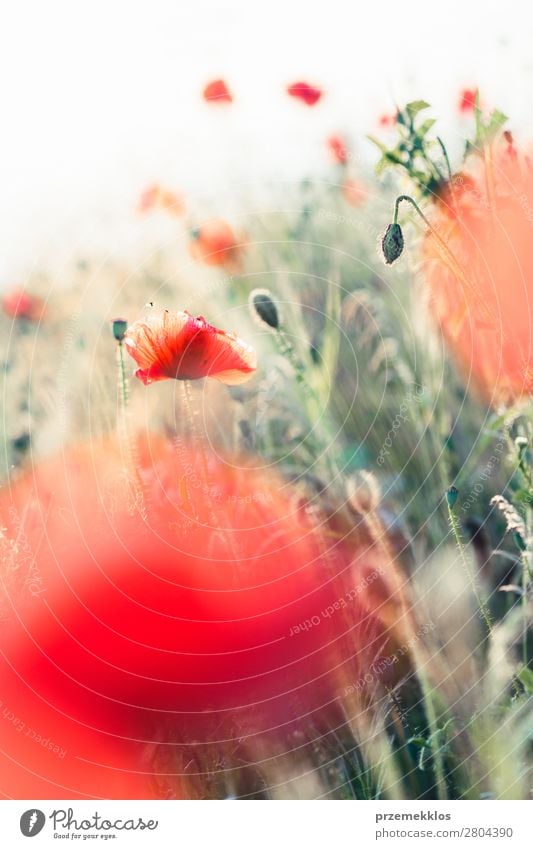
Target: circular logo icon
{"points": [[32, 822]]}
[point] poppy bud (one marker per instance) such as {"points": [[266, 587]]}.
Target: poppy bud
{"points": [[264, 307], [392, 243], [120, 325], [451, 496]]}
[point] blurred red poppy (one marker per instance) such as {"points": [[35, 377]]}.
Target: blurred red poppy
{"points": [[148, 607], [467, 100], [148, 199], [215, 243], [387, 119], [176, 345], [155, 197], [484, 304], [338, 150], [305, 92], [17, 303], [217, 92]]}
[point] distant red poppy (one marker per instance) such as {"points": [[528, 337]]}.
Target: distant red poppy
{"points": [[387, 119], [176, 345], [215, 243], [467, 100], [217, 92], [148, 199], [17, 303], [338, 150], [305, 92], [354, 192], [156, 197]]}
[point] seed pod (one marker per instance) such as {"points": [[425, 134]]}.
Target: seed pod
{"points": [[392, 243], [120, 325], [263, 305]]}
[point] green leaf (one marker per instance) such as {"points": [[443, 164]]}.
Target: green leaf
{"points": [[382, 147], [496, 122], [418, 741], [419, 175], [485, 132], [425, 127], [525, 676], [382, 164], [389, 158], [415, 107]]}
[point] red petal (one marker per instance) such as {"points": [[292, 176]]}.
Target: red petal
{"points": [[217, 91], [176, 345], [307, 93]]}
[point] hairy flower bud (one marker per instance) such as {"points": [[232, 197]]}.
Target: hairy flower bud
{"points": [[120, 325], [264, 307], [392, 243], [451, 496]]}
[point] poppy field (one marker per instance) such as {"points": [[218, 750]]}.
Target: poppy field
{"points": [[266, 504]]}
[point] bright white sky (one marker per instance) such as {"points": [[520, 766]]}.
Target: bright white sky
{"points": [[100, 98]]}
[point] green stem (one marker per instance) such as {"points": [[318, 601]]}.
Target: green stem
{"points": [[312, 402], [485, 615], [127, 442], [409, 199], [526, 578], [431, 715], [445, 155], [123, 381]]}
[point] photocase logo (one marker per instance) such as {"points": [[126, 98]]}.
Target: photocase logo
{"points": [[32, 822]]}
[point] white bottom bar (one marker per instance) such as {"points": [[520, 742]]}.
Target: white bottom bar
{"points": [[272, 825]]}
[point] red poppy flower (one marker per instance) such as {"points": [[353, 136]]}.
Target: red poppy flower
{"points": [[157, 197], [215, 243], [483, 303], [305, 92], [20, 304], [217, 92], [162, 606], [176, 345], [338, 150], [467, 100]]}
